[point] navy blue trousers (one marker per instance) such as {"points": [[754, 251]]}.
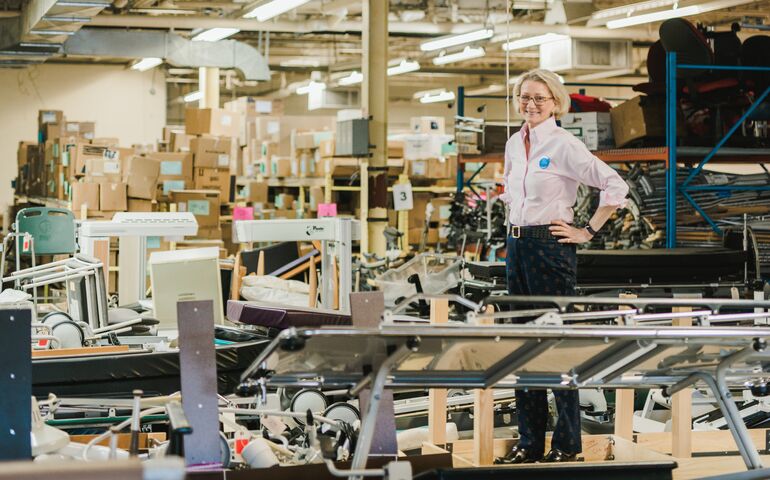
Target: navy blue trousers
{"points": [[544, 267]]}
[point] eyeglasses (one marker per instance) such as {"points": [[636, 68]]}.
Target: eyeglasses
{"points": [[524, 99]]}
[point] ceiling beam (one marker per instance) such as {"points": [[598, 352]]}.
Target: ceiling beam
{"points": [[425, 29]]}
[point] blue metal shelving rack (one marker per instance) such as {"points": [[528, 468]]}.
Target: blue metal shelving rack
{"points": [[672, 188]]}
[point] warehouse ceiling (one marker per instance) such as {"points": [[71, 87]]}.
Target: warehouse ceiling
{"points": [[324, 36]]}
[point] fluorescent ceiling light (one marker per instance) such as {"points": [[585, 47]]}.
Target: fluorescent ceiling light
{"points": [[273, 8], [454, 40], [146, 64], [423, 93], [494, 88], [654, 17], [533, 41], [312, 86], [215, 34], [675, 13], [53, 33], [631, 9], [193, 96], [405, 66], [467, 54], [301, 62], [441, 97], [605, 74], [352, 79]]}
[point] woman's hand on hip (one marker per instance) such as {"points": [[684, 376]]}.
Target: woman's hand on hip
{"points": [[567, 233]]}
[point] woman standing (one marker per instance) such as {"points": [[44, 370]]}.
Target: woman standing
{"points": [[544, 165]]}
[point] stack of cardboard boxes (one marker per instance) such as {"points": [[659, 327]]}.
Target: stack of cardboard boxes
{"points": [[426, 149]]}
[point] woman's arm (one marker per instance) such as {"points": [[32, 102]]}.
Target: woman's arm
{"points": [[589, 170], [571, 234]]}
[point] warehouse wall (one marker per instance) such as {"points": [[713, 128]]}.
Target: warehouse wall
{"points": [[124, 104]]}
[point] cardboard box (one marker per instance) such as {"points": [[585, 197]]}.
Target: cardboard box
{"points": [[268, 150], [180, 141], [211, 152], [284, 213], [84, 193], [106, 142], [641, 117], [212, 121], [264, 128], [174, 166], [23, 153], [141, 205], [256, 192], [415, 236], [316, 196], [86, 130], [284, 201], [209, 233], [62, 183], [170, 130], [49, 116], [204, 204], [395, 149], [102, 170], [83, 151], [50, 131], [166, 185], [427, 125], [112, 197], [304, 140], [326, 148], [214, 179], [141, 175], [281, 166], [594, 129]]}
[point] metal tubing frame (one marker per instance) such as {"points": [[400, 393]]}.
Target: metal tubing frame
{"points": [[671, 144], [369, 420], [671, 185], [718, 385]]}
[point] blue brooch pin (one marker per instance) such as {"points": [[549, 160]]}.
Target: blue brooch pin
{"points": [[544, 162]]}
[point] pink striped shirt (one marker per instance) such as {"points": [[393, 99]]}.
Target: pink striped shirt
{"points": [[544, 187]]}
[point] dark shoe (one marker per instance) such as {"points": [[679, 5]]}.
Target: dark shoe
{"points": [[518, 455], [556, 455]]}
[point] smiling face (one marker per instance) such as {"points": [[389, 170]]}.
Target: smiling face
{"points": [[534, 114]]}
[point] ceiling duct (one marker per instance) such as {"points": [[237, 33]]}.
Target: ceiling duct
{"points": [[42, 27], [173, 49]]}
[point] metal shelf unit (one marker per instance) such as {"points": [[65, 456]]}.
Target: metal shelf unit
{"points": [[685, 188]]}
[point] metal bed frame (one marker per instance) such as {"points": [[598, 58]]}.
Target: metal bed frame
{"points": [[517, 356]]}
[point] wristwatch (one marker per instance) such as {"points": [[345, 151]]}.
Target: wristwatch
{"points": [[590, 230]]}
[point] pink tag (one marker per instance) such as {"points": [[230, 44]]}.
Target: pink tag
{"points": [[25, 244], [327, 210], [243, 213]]}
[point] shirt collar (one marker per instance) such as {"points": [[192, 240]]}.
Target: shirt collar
{"points": [[548, 126]]}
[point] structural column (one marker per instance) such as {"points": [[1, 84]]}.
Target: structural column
{"points": [[208, 82], [374, 101]]}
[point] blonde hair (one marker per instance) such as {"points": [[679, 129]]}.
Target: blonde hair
{"points": [[550, 80]]}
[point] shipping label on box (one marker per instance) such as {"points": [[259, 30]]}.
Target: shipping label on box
{"points": [[192, 201], [198, 207], [169, 185]]}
